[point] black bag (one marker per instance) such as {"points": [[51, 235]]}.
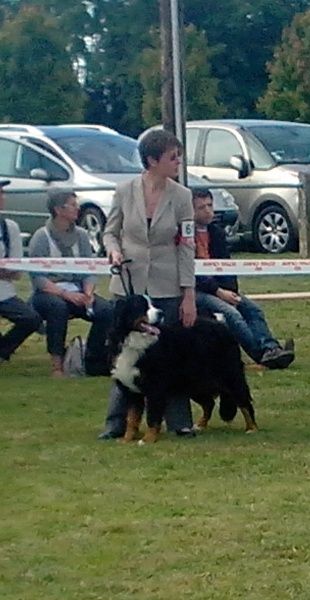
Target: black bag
{"points": [[97, 363]]}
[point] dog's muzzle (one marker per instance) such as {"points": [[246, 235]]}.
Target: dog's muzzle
{"points": [[155, 316]]}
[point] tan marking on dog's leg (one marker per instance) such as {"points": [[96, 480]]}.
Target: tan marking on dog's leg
{"points": [[133, 424], [255, 367], [202, 422], [151, 435], [250, 425]]}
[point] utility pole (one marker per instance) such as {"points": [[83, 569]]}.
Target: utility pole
{"points": [[167, 96], [173, 89]]}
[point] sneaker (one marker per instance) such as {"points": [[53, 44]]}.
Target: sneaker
{"points": [[186, 432], [277, 358]]}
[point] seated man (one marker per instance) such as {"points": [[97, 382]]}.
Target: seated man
{"points": [[219, 294], [25, 319], [58, 297]]}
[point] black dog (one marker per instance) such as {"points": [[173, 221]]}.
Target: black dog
{"points": [[202, 361]]}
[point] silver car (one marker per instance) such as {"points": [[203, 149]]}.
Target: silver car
{"points": [[259, 153], [99, 159], [32, 172]]}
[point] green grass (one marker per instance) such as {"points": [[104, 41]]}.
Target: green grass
{"points": [[222, 516]]}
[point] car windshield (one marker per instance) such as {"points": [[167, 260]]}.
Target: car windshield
{"points": [[286, 143], [260, 158], [103, 154]]}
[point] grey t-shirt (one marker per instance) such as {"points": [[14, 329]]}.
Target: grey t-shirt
{"points": [[40, 246]]}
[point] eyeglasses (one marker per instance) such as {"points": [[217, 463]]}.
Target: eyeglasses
{"points": [[71, 205]]}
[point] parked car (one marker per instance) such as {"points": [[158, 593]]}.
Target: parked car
{"points": [[96, 157], [260, 152], [102, 128], [32, 171]]}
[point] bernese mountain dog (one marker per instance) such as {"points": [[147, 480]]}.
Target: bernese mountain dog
{"points": [[154, 362]]}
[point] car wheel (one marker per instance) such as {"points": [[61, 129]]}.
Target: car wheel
{"points": [[272, 230], [93, 221]]}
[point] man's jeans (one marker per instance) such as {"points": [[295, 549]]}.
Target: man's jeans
{"points": [[246, 321], [178, 413], [25, 320], [56, 312]]}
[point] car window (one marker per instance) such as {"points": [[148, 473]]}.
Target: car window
{"points": [[8, 150], [54, 170], [28, 159], [103, 154], [261, 159], [192, 135], [17, 160], [286, 143], [220, 147], [45, 147]]}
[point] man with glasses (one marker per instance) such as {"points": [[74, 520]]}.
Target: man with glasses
{"points": [[59, 297]]}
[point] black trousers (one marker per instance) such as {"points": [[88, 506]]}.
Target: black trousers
{"points": [[26, 320], [56, 312]]}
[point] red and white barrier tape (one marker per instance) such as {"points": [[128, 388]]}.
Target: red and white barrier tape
{"points": [[101, 266]]}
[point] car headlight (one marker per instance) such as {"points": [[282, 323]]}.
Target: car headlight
{"points": [[228, 199]]}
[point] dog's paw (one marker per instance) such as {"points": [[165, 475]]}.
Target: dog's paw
{"points": [[199, 428], [141, 443], [124, 440]]}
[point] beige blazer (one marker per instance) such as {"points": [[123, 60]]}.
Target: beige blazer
{"points": [[160, 266]]}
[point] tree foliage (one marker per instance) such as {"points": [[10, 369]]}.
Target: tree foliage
{"points": [[249, 31], [246, 30], [288, 93], [113, 42], [38, 84], [204, 103]]}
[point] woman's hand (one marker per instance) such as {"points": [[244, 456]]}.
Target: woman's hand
{"points": [[116, 257], [188, 312]]}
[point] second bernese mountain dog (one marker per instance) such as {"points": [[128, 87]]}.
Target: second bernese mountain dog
{"points": [[154, 363]]}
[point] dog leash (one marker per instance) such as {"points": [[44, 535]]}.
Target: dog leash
{"points": [[118, 270]]}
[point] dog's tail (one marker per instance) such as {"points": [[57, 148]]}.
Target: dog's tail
{"points": [[228, 407]]}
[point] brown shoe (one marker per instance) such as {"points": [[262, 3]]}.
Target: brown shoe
{"points": [[57, 366]]}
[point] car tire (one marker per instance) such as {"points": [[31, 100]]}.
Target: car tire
{"points": [[93, 220], [272, 231]]}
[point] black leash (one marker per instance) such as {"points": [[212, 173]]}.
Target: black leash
{"points": [[118, 270]]}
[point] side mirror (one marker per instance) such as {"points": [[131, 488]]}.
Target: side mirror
{"points": [[60, 175], [39, 174], [239, 163]]}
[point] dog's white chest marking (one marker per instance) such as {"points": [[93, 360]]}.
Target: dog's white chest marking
{"points": [[134, 346]]}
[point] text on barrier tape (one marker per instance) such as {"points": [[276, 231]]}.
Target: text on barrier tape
{"points": [[101, 266]]}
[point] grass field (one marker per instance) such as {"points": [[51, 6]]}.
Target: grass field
{"points": [[222, 516]]}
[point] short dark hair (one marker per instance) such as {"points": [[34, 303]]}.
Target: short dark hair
{"points": [[201, 193], [58, 197], [155, 143]]}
